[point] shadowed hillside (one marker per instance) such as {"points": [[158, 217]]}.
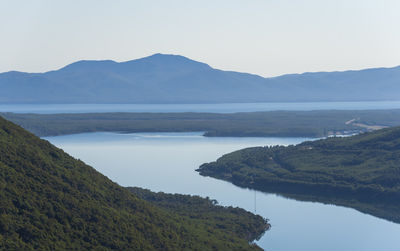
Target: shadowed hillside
{"points": [[51, 201]]}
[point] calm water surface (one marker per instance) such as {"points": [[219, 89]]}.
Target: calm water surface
{"points": [[166, 162], [213, 108]]}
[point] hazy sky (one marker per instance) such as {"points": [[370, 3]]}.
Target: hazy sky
{"points": [[268, 38]]}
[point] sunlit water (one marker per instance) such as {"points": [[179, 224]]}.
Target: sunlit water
{"points": [[213, 108], [167, 162]]}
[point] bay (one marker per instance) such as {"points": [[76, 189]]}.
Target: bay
{"points": [[167, 162]]}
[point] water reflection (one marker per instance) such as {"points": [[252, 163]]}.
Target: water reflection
{"points": [[166, 162], [213, 108]]}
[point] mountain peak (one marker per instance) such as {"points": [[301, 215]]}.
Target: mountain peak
{"points": [[168, 60]]}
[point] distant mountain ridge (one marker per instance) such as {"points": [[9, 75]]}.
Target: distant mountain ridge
{"points": [[164, 78]]}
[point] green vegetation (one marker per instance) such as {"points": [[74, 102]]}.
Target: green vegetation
{"points": [[200, 209], [275, 123], [51, 201], [361, 171]]}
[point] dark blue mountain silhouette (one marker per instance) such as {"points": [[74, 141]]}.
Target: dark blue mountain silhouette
{"points": [[164, 78]]}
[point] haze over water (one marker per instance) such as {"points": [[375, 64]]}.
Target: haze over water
{"points": [[213, 108]]}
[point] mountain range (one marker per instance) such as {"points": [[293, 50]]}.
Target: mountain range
{"points": [[162, 78]]}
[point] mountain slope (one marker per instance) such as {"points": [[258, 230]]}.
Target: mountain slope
{"points": [[175, 79], [50, 201]]}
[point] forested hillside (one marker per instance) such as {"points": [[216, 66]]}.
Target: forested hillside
{"points": [[363, 168], [51, 201], [200, 209]]}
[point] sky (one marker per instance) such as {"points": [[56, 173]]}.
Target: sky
{"points": [[264, 37]]}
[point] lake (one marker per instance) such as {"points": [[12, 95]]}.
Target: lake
{"points": [[213, 108], [167, 162]]}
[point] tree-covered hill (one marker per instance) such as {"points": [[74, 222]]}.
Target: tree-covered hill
{"points": [[200, 209], [362, 169], [51, 201]]}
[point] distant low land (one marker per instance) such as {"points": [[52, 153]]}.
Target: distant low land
{"points": [[164, 79], [311, 124], [361, 171]]}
